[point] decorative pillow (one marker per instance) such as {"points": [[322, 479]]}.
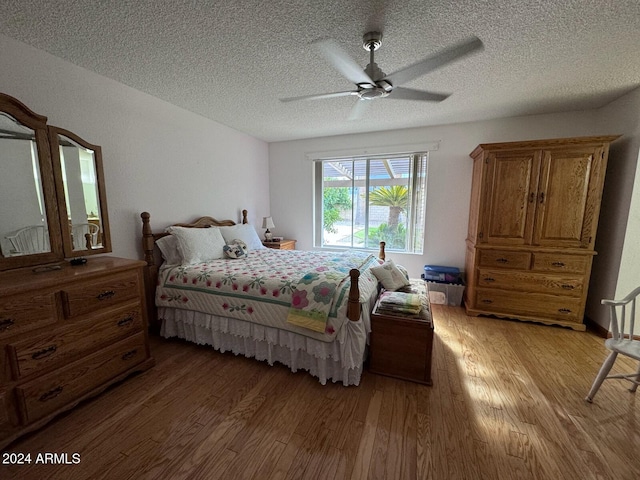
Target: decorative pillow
{"points": [[169, 248], [390, 275], [197, 245], [235, 249], [244, 232], [404, 272]]}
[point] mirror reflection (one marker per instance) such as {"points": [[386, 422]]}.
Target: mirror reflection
{"points": [[23, 224], [78, 165]]}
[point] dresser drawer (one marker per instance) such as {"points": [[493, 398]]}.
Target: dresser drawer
{"points": [[91, 296], [63, 344], [504, 259], [558, 262], [527, 281], [8, 417], [21, 313], [529, 304], [50, 392]]}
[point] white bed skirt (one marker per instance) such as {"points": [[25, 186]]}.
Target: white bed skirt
{"points": [[338, 361]]}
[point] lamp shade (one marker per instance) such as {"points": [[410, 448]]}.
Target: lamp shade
{"points": [[267, 222]]}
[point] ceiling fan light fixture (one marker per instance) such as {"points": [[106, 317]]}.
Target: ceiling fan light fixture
{"points": [[372, 93]]}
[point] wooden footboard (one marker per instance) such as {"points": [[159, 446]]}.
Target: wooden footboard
{"points": [[151, 271]]}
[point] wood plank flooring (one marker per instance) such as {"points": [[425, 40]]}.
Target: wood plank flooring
{"points": [[507, 403]]}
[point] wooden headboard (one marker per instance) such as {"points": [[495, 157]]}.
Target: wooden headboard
{"points": [[151, 270], [149, 238]]}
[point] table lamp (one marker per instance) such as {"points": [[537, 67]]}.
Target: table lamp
{"points": [[267, 222]]}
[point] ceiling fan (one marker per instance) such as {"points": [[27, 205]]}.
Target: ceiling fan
{"points": [[372, 83]]}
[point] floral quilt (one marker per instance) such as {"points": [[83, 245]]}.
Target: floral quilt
{"points": [[264, 286]]}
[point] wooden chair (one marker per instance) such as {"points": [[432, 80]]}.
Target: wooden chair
{"points": [[28, 240], [79, 232], [621, 342]]}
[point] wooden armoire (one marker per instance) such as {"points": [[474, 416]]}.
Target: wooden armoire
{"points": [[532, 227]]}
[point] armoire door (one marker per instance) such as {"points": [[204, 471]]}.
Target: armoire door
{"points": [[509, 203], [569, 197]]}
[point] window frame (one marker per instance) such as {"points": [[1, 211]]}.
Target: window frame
{"points": [[419, 161]]}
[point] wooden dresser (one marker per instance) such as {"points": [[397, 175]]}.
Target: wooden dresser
{"points": [[66, 334], [532, 228]]}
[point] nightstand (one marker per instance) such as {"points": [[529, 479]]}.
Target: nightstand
{"points": [[401, 346], [281, 245]]}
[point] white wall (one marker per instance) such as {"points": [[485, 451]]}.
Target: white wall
{"points": [[157, 157], [616, 267], [449, 182]]}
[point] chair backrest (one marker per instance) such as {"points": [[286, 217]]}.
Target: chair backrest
{"points": [[78, 232], [31, 239], [623, 325]]}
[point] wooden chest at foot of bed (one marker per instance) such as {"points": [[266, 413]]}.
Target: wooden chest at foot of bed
{"points": [[401, 346]]}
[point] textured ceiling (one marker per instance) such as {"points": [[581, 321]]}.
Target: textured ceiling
{"points": [[231, 61]]}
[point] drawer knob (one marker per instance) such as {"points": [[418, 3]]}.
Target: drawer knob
{"points": [[558, 264], [45, 352], [564, 310], [489, 279], [106, 295], [6, 324], [486, 300], [129, 354], [51, 394], [125, 321], [566, 286], [502, 260]]}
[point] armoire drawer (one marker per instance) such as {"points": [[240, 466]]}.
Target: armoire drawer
{"points": [[561, 263], [528, 304], [52, 391], [21, 313], [58, 346], [504, 259], [527, 281], [91, 296]]}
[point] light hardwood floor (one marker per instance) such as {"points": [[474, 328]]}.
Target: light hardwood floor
{"points": [[507, 403]]}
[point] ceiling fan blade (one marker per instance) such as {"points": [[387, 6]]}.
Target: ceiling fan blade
{"points": [[360, 109], [320, 96], [342, 62], [429, 64], [401, 93]]}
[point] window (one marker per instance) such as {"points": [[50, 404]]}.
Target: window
{"points": [[361, 201]]}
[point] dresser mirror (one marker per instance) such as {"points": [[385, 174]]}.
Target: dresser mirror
{"points": [[51, 187], [77, 166]]}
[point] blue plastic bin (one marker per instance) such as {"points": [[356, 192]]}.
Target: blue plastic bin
{"points": [[439, 273]]}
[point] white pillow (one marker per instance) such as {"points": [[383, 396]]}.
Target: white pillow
{"points": [[390, 275], [197, 245], [244, 232], [169, 248]]}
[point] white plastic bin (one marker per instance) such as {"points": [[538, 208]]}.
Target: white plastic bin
{"points": [[453, 293]]}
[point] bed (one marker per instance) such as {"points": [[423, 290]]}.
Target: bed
{"points": [[268, 304]]}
